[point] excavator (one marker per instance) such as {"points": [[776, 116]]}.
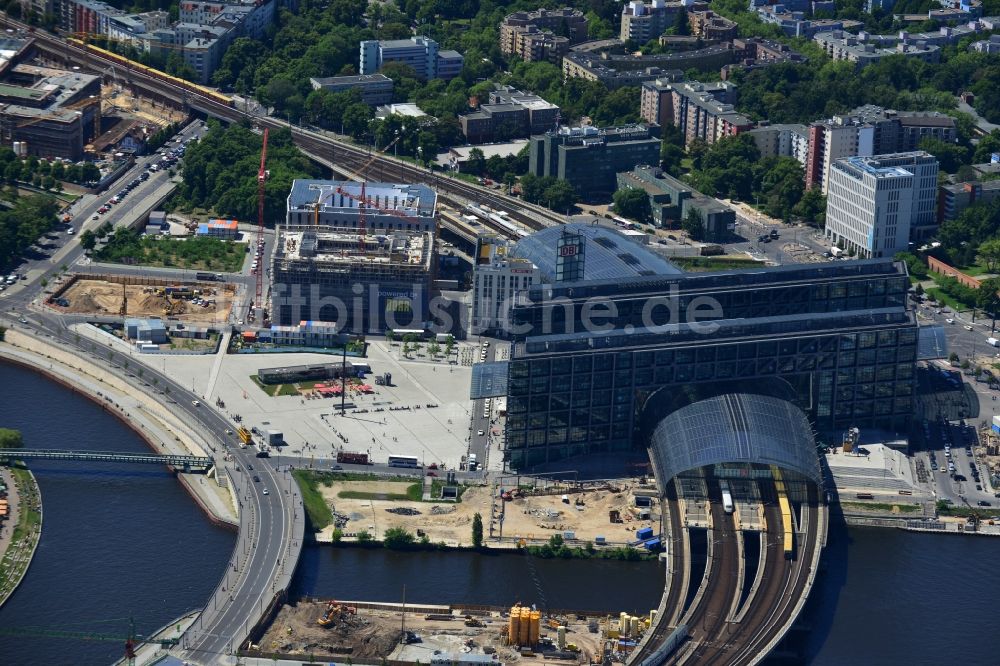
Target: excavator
{"points": [[335, 610]]}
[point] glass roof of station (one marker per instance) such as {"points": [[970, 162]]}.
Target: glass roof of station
{"points": [[735, 428], [489, 380]]}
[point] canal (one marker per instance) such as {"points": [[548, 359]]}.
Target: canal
{"points": [[127, 541]]}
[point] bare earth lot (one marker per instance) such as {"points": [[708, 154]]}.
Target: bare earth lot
{"points": [[105, 298], [534, 518]]}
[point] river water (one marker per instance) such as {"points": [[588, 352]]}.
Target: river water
{"points": [[117, 540], [121, 541]]}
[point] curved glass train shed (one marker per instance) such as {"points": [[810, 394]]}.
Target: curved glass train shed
{"points": [[735, 428]]}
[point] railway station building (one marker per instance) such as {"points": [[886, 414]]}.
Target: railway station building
{"points": [[599, 364]]}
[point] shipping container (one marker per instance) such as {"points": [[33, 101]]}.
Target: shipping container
{"points": [[644, 533]]}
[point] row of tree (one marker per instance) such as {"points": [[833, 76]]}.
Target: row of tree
{"points": [[220, 172], [23, 223]]}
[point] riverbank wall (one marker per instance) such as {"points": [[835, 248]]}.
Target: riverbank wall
{"points": [[155, 426]]}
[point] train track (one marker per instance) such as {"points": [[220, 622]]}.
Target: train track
{"points": [[350, 156]]}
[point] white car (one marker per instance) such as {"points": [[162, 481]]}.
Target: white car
{"points": [[967, 327], [481, 433], [950, 320], [265, 492]]}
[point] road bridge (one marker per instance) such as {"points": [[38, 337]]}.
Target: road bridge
{"points": [[180, 462], [737, 616]]}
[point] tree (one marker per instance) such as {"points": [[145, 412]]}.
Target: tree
{"points": [[337, 536], [950, 156], [88, 240], [477, 161], [364, 537], [559, 195], [397, 538], [477, 531], [811, 208], [683, 24], [10, 439], [989, 254], [633, 203], [988, 298], [693, 225]]}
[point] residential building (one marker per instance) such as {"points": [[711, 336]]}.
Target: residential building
{"points": [[791, 140], [618, 70], [376, 89], [363, 284], [702, 111], [956, 197], [589, 158], [672, 201], [497, 279], [545, 34], [871, 130], [842, 46], [390, 206], [419, 52], [837, 340], [642, 22], [509, 114], [710, 26], [875, 205], [991, 45]]}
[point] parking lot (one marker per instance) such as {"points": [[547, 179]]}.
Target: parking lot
{"points": [[949, 455]]}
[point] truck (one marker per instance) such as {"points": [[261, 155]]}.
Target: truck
{"points": [[263, 451], [993, 342], [209, 277], [836, 252], [352, 458], [727, 497]]}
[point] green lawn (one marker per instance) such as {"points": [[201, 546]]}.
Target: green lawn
{"points": [[209, 254], [319, 513], [275, 389], [937, 294]]}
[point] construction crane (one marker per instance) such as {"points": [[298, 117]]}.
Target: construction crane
{"points": [[124, 309], [261, 181], [132, 641], [363, 201]]}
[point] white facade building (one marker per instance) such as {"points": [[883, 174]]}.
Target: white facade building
{"points": [[497, 278], [875, 203]]}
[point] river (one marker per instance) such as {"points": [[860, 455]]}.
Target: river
{"points": [[121, 541], [118, 541]]}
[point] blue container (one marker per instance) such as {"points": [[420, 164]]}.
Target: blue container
{"points": [[652, 544], [644, 533]]}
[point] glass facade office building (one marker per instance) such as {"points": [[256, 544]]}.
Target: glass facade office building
{"points": [[836, 339]]}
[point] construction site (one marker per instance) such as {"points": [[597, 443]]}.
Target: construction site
{"points": [[600, 513], [200, 303], [366, 632], [317, 270]]}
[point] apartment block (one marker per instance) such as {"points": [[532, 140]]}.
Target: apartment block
{"points": [[419, 52], [619, 70], [589, 158], [791, 140], [545, 34], [871, 130], [642, 22], [510, 114], [954, 198], [376, 89], [700, 110], [843, 46], [710, 26]]}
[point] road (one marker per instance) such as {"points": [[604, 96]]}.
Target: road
{"points": [[271, 513]]}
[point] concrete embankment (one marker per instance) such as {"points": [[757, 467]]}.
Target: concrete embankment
{"points": [[162, 431]]}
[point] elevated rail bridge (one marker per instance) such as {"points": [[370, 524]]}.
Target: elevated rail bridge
{"points": [[729, 614], [180, 462]]}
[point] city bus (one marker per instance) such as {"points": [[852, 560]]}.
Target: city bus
{"points": [[727, 498], [403, 461]]}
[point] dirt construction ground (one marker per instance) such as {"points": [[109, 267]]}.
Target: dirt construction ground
{"points": [[104, 298], [535, 518], [372, 633]]}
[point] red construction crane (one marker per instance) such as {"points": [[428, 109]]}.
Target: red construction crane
{"points": [[261, 181]]}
